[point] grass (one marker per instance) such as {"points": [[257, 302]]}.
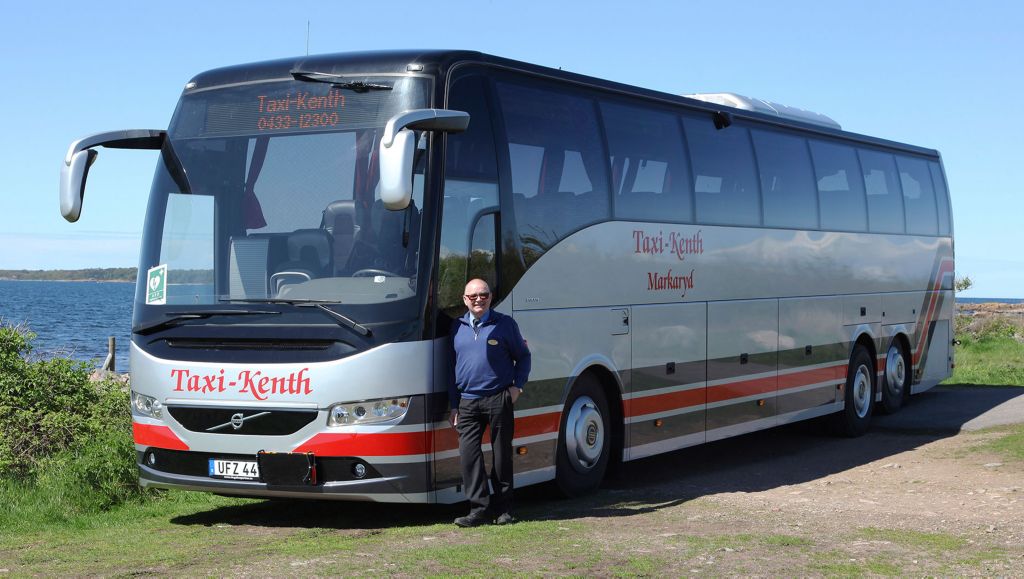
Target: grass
{"points": [[914, 539], [1005, 441], [997, 361], [1011, 445], [199, 534]]}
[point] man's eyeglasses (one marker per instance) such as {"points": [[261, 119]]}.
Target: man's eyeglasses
{"points": [[479, 296]]}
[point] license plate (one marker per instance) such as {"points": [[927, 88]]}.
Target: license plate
{"points": [[234, 469]]}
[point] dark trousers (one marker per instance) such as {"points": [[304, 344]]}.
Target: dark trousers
{"points": [[475, 414]]}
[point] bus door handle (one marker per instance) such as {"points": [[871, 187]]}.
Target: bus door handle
{"points": [[620, 321]]}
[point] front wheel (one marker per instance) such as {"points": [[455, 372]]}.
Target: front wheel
{"points": [[584, 439], [859, 395]]}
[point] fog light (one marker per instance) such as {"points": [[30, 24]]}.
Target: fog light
{"points": [[151, 458], [359, 470]]}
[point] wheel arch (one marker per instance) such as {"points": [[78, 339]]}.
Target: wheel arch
{"points": [[865, 339]]}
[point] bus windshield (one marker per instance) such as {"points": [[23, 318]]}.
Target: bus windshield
{"points": [[269, 192]]}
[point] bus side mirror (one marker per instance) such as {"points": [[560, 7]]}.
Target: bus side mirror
{"points": [[398, 149], [81, 156]]}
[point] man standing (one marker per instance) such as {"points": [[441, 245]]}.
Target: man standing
{"points": [[492, 364]]}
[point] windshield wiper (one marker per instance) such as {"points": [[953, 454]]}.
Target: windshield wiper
{"points": [[338, 81], [345, 320], [318, 304], [175, 317]]}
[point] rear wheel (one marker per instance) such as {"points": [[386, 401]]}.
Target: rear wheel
{"points": [[584, 439], [897, 374], [859, 395]]}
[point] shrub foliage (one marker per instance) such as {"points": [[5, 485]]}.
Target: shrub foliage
{"points": [[62, 431], [981, 328]]}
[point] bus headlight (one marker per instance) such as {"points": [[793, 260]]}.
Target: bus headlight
{"points": [[367, 411], [147, 405]]}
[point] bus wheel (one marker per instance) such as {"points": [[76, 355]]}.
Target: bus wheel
{"points": [[894, 389], [859, 395], [583, 440]]}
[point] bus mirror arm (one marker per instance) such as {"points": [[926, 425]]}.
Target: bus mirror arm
{"points": [[81, 155], [398, 149]]}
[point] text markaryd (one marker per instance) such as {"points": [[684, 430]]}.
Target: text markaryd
{"points": [[254, 383]]}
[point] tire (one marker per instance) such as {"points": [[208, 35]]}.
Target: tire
{"points": [[859, 395], [895, 386], [584, 439]]}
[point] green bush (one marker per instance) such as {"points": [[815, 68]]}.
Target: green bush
{"points": [[982, 328], [60, 433]]}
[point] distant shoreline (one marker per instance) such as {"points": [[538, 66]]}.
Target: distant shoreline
{"points": [[69, 280], [99, 274], [102, 274]]}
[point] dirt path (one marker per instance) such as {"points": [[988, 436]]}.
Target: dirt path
{"points": [[915, 495]]}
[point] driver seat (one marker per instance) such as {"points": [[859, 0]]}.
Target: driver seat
{"points": [[339, 219]]}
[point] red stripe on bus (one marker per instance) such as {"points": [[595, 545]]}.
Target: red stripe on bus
{"points": [[158, 436], [410, 443], [662, 402], [367, 443], [445, 438], [740, 388], [922, 339], [931, 312], [814, 376]]}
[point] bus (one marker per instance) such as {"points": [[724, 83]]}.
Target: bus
{"points": [[684, 268]]}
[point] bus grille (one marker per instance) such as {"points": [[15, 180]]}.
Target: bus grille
{"points": [[246, 421]]}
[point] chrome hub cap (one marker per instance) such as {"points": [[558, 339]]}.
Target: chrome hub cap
{"points": [[584, 434], [895, 371], [862, 391]]}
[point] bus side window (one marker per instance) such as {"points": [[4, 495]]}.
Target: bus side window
{"points": [[787, 181], [559, 171], [724, 178], [918, 196], [941, 198], [885, 202], [840, 187], [470, 189], [650, 177]]}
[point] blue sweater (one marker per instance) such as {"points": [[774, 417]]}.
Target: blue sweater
{"points": [[489, 359]]}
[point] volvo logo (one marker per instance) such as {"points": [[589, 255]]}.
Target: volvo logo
{"points": [[237, 421]]}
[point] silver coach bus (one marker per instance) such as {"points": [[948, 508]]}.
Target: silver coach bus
{"points": [[684, 269]]}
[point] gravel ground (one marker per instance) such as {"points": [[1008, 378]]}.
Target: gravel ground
{"points": [[920, 494]]}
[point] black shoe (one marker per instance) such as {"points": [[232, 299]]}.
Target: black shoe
{"points": [[472, 520], [505, 519]]}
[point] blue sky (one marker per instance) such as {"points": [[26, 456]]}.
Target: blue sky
{"points": [[940, 74]]}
